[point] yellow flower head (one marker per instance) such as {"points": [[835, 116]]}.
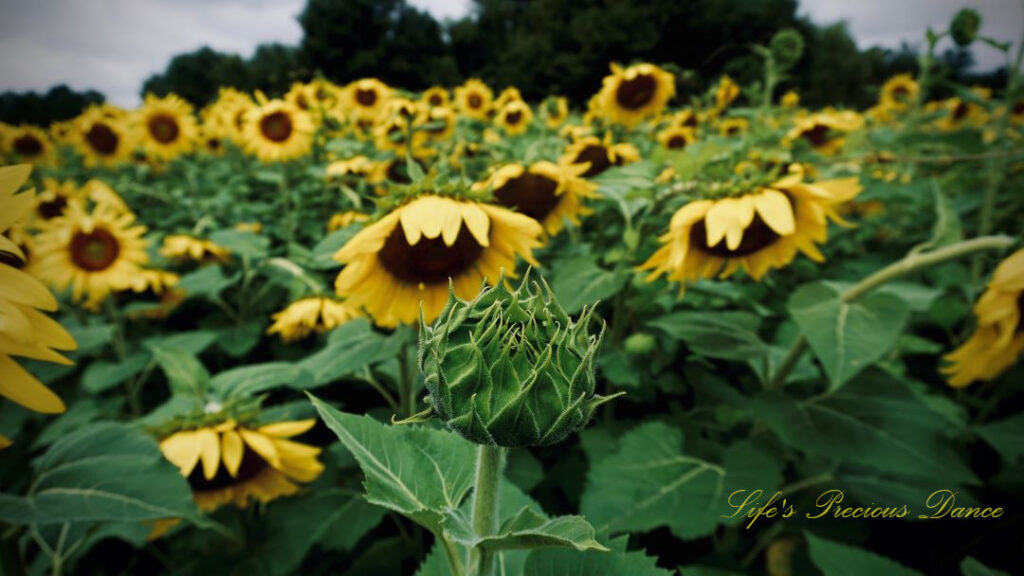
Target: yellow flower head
{"points": [[29, 144], [899, 92], [185, 247], [435, 96], [674, 138], [514, 117], [726, 93], [167, 127], [547, 192], [364, 99], [473, 99], [825, 131], [599, 155], [103, 137], [630, 95], [309, 315], [277, 131]]}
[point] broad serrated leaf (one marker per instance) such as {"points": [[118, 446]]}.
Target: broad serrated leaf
{"points": [[185, 373], [349, 349], [592, 563], [207, 281], [581, 282], [727, 335], [257, 378], [418, 472], [1006, 436], [526, 530], [103, 472], [242, 243], [103, 375], [835, 559], [847, 337]]}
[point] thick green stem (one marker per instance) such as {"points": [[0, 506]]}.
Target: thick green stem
{"points": [[909, 263], [490, 462]]}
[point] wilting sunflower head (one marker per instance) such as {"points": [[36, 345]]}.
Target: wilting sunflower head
{"points": [[510, 367], [473, 99], [598, 155], [674, 138], [308, 316], [277, 131], [630, 95], [547, 192], [103, 137], [435, 96], [94, 252], [25, 331], [29, 144], [899, 92], [232, 463], [998, 338], [166, 126], [964, 27], [726, 93], [756, 222], [410, 256], [514, 117]]}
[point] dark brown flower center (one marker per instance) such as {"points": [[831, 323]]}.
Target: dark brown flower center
{"points": [[301, 102], [49, 209], [252, 464], [513, 118], [213, 143], [163, 128], [530, 194], [435, 100], [691, 121], [28, 146], [900, 93], [276, 127], [817, 136], [732, 129], [1018, 108], [475, 101], [366, 97], [102, 139], [676, 142], [94, 251], [636, 93], [756, 237], [597, 155], [430, 261], [12, 260], [961, 110]]}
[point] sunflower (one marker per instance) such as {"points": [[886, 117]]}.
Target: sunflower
{"points": [[514, 118], [473, 99], [757, 230], [53, 201], [276, 131], [345, 219], [211, 140], [356, 166], [62, 133], [185, 247], [30, 144], [98, 192], [726, 93], [25, 331], [1017, 113], [599, 155], [437, 123], [508, 95], [733, 126], [309, 315], [103, 138], [414, 253], [95, 253], [167, 127], [300, 95], [364, 99], [960, 113], [226, 116], [547, 192], [556, 111], [674, 138], [631, 95], [898, 92], [998, 339], [435, 96], [825, 131], [161, 285], [232, 464], [686, 118]]}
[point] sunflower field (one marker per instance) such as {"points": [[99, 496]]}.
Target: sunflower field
{"points": [[359, 330]]}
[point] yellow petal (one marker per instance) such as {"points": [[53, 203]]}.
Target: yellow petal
{"points": [[261, 445], [4, 442], [232, 449], [182, 450], [20, 287], [728, 218], [478, 223], [209, 451], [776, 211], [287, 429]]}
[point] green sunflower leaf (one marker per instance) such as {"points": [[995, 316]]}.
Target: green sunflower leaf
{"points": [[185, 373], [837, 559], [592, 563]]}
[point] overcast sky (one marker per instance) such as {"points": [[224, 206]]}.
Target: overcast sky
{"points": [[113, 45]]}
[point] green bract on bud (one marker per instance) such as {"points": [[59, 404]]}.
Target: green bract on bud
{"points": [[787, 46], [510, 367], [639, 344], [965, 25]]}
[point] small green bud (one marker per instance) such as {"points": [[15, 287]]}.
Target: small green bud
{"points": [[787, 46], [510, 367], [965, 25], [640, 344]]}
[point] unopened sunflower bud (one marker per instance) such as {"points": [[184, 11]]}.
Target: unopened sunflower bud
{"points": [[965, 25], [787, 46], [510, 367], [639, 344]]}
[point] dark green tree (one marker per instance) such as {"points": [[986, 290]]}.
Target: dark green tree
{"points": [[198, 76]]}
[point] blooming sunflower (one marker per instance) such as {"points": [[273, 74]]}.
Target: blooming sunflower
{"points": [[599, 155], [345, 219], [55, 197], [825, 131], [726, 93], [276, 131], [514, 117], [960, 113], [675, 138], [437, 123], [733, 126], [509, 94], [103, 138], [756, 231], [410, 256], [899, 92], [631, 95], [167, 127], [998, 339], [356, 166], [364, 99], [686, 118], [30, 144], [185, 247], [790, 99], [435, 96], [25, 331], [232, 464], [304, 317], [556, 111], [547, 192], [473, 99], [94, 252]]}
